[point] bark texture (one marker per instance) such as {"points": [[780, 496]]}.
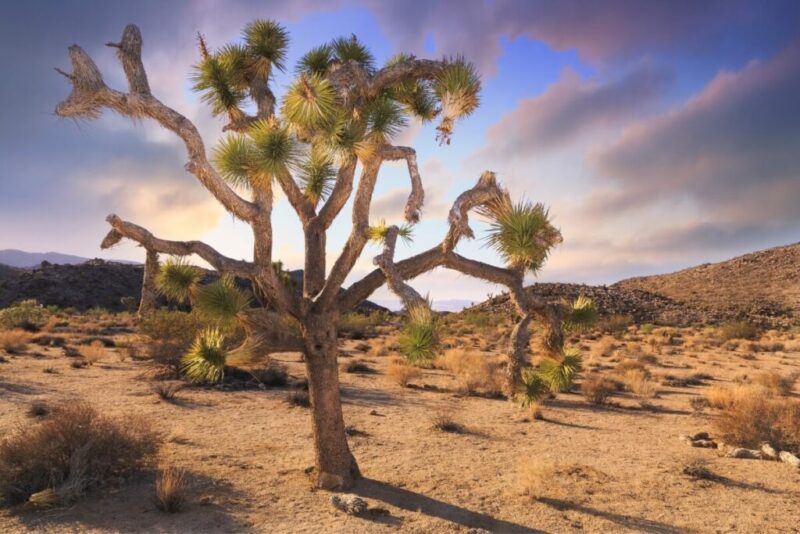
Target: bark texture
{"points": [[149, 295]]}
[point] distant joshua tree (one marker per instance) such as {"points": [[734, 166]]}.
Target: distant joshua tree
{"points": [[338, 116]]}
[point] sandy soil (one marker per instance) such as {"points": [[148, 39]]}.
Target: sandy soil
{"points": [[246, 452]]}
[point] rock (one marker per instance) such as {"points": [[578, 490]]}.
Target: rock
{"points": [[768, 453], [704, 444], [349, 504], [739, 452], [789, 458], [701, 435]]}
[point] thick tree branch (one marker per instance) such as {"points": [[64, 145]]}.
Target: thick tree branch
{"points": [[417, 195], [340, 194], [300, 203], [484, 191], [385, 262], [136, 233], [410, 69], [90, 95]]}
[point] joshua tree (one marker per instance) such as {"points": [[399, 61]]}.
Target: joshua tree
{"points": [[340, 114]]}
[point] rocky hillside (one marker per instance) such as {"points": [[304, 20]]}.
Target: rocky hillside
{"points": [[763, 286], [94, 283]]}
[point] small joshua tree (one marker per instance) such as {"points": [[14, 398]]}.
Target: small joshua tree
{"points": [[340, 113]]}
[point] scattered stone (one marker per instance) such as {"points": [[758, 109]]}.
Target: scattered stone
{"points": [[789, 458], [704, 444], [768, 453], [349, 504], [701, 435], [740, 452]]}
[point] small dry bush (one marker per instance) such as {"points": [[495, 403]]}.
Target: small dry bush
{"points": [[445, 423], [775, 382], [628, 364], [606, 346], [751, 418], [170, 334], [71, 451], [298, 397], [402, 373], [93, 353], [273, 374], [597, 389], [15, 341], [356, 366], [171, 489], [168, 391], [640, 384], [474, 372], [738, 330], [615, 324]]}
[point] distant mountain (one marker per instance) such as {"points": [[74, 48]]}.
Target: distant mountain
{"points": [[19, 258]]}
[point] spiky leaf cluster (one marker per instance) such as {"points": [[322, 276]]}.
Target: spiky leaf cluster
{"points": [[266, 42], [222, 300], [219, 86], [178, 280], [385, 119], [205, 360], [534, 388], [560, 373], [317, 176], [420, 337], [457, 88], [274, 147], [347, 49], [582, 315], [377, 232], [234, 158], [310, 102], [521, 233]]}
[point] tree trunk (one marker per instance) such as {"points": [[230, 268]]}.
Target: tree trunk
{"points": [[517, 350], [148, 301], [335, 466]]}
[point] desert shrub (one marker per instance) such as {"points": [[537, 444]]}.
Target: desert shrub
{"points": [[14, 341], [615, 324], [473, 371], [482, 320], [356, 366], [93, 352], [445, 423], [167, 390], [71, 451], [298, 397], [606, 346], [597, 389], [639, 383], [205, 360], [38, 409], [534, 389], [537, 478], [560, 374], [775, 382], [171, 489], [629, 364], [171, 334], [129, 303], [738, 330], [647, 328], [27, 315], [401, 373], [420, 338], [358, 325], [273, 374], [750, 418]]}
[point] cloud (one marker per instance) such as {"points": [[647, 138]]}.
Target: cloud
{"points": [[731, 150], [570, 108]]}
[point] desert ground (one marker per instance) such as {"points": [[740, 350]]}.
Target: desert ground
{"points": [[576, 466]]}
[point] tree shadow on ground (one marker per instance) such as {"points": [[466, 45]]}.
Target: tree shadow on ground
{"points": [[375, 397], [416, 502], [627, 521]]}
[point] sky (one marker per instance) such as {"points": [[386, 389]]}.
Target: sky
{"points": [[660, 134]]}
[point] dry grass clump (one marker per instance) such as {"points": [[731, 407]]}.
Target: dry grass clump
{"points": [[474, 372], [541, 479], [69, 452], [15, 341], [639, 383], [171, 489], [597, 389], [356, 366], [402, 373], [606, 346], [775, 382], [168, 391], [273, 374], [38, 409], [298, 397], [751, 418], [445, 423], [738, 330], [93, 353]]}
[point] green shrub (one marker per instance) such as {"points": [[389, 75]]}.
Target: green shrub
{"points": [[535, 388], [420, 338], [205, 361], [129, 303], [559, 374], [738, 330], [582, 315], [171, 334], [26, 314]]}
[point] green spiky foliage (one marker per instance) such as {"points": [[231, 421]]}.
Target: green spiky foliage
{"points": [[274, 147], [283, 275], [420, 338], [178, 280], [266, 43], [457, 88], [378, 232], [316, 61], [385, 119], [219, 87], [204, 363], [534, 388], [222, 300], [317, 176], [310, 102], [582, 315], [521, 233], [351, 49], [560, 374], [234, 158]]}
